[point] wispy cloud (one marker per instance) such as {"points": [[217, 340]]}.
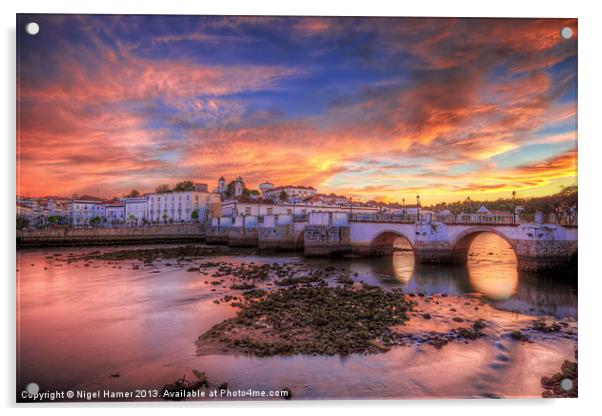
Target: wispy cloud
{"points": [[374, 107]]}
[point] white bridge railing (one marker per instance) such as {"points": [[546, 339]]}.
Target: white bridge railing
{"points": [[506, 219]]}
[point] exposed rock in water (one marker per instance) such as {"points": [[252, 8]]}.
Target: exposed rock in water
{"points": [[242, 286], [314, 320], [564, 383], [519, 336], [147, 255], [315, 277]]}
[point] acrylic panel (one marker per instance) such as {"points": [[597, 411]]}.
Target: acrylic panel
{"points": [[295, 208]]}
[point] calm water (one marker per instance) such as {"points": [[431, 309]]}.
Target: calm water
{"points": [[78, 325]]}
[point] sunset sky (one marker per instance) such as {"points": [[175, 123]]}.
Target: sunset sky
{"points": [[374, 108]]}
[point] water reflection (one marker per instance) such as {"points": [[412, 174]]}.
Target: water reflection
{"points": [[491, 271], [492, 267]]}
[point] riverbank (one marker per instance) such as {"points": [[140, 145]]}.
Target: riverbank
{"points": [[68, 237]]}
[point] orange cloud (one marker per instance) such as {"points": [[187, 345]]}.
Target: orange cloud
{"points": [[98, 122]]}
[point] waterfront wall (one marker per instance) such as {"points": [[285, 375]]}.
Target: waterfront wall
{"points": [[217, 232], [327, 234], [280, 233], [96, 236]]}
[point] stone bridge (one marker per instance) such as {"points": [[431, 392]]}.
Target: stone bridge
{"points": [[537, 246]]}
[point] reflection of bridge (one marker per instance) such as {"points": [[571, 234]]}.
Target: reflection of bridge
{"points": [[537, 246]]}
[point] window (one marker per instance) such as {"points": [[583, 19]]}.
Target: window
{"points": [[270, 211], [289, 211], [248, 211]]}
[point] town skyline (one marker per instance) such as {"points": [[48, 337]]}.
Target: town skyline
{"points": [[372, 108]]}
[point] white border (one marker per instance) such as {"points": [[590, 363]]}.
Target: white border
{"points": [[590, 176]]}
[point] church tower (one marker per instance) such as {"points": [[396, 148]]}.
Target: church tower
{"points": [[238, 186], [221, 185]]}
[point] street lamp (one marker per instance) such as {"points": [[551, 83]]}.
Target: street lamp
{"points": [[513, 206], [418, 206], [403, 208]]}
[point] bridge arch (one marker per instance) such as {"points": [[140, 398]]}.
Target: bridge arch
{"points": [[383, 242], [461, 244]]}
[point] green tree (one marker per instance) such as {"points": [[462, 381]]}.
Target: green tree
{"points": [[283, 196], [184, 186], [164, 218], [195, 215], [161, 189], [22, 222], [53, 219], [133, 194], [251, 192], [95, 220], [230, 190]]}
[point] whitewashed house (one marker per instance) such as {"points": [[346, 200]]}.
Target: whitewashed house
{"points": [[136, 210], [293, 193], [115, 213], [180, 206], [86, 208]]}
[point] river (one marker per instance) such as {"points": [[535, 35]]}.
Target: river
{"points": [[110, 326]]}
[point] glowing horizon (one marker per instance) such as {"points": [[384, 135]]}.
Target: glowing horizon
{"points": [[372, 108]]}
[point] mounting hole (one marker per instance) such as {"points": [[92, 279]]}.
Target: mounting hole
{"points": [[566, 384], [32, 28], [32, 388], [566, 32]]}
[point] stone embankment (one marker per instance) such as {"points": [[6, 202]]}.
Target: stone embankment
{"points": [[122, 235]]}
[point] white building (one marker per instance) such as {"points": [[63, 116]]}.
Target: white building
{"points": [[244, 205], [265, 186], [86, 208], [24, 210], [115, 213], [179, 206], [136, 210], [293, 193]]}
